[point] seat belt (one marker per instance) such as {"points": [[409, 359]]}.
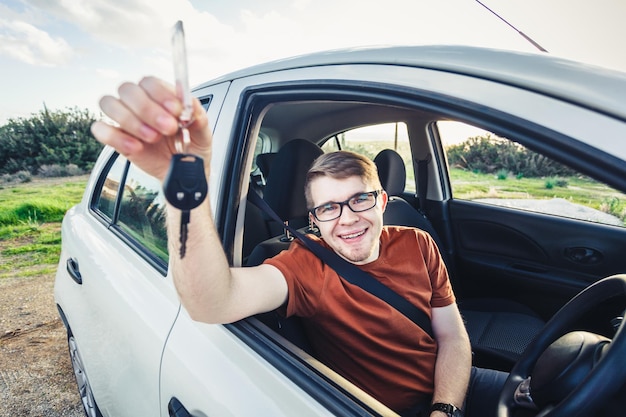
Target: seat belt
{"points": [[352, 273], [422, 182]]}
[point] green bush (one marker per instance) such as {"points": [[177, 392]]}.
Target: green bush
{"points": [[49, 171], [58, 138], [16, 177], [493, 155]]}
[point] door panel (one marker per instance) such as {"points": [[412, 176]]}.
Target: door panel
{"points": [[538, 259], [120, 315]]}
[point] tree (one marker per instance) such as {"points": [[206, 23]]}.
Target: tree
{"points": [[48, 138]]}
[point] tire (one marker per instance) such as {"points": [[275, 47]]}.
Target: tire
{"points": [[84, 387]]}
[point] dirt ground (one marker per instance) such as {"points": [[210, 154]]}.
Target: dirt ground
{"points": [[36, 377]]}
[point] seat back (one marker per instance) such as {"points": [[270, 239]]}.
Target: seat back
{"points": [[284, 191], [258, 181], [264, 162]]}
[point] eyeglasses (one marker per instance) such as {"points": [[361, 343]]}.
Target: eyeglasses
{"points": [[357, 203]]}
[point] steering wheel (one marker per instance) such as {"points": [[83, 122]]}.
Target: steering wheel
{"points": [[577, 373]]}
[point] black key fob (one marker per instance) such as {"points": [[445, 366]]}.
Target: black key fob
{"points": [[185, 185]]}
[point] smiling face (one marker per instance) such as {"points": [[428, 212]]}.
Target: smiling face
{"points": [[354, 236]]}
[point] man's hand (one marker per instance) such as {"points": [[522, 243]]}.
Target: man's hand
{"points": [[146, 115]]}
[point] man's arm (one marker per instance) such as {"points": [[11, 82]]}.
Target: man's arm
{"points": [[146, 116], [454, 357]]}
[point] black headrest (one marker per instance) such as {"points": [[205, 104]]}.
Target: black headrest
{"points": [[391, 171], [264, 162], [284, 191]]}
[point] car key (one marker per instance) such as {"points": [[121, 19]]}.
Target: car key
{"points": [[185, 188], [185, 184]]}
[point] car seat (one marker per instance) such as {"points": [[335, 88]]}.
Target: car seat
{"points": [[284, 193], [284, 190], [264, 162], [499, 329]]}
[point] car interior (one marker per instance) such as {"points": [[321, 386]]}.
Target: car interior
{"points": [[292, 134]]}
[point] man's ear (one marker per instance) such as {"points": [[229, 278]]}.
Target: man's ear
{"points": [[385, 199]]}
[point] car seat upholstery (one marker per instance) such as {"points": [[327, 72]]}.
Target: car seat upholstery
{"points": [[258, 180], [284, 191], [499, 329], [264, 162]]}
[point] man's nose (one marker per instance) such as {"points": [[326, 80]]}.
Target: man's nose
{"points": [[348, 216]]}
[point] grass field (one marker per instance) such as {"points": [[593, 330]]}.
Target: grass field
{"points": [[30, 223], [584, 191]]}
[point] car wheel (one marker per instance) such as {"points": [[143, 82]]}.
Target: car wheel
{"points": [[84, 387]]}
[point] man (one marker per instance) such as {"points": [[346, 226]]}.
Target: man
{"points": [[361, 337]]}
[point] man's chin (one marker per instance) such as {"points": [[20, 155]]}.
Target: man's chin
{"points": [[355, 257]]}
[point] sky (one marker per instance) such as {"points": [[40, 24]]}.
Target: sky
{"points": [[65, 54]]}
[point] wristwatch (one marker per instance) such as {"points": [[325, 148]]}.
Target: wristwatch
{"points": [[449, 409]]}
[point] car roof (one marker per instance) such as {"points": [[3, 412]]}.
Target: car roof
{"points": [[592, 87]]}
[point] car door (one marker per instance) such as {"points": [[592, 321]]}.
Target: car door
{"points": [[537, 238]]}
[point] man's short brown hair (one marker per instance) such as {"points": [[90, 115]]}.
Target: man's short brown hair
{"points": [[341, 165]]}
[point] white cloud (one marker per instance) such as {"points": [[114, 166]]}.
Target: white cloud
{"points": [[129, 23], [26, 43]]}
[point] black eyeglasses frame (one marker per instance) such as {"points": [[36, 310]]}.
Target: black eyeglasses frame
{"points": [[376, 193]]}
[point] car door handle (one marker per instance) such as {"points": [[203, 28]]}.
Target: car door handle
{"points": [[74, 271], [583, 255], [177, 409]]}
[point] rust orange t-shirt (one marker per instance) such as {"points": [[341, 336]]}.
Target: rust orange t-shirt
{"points": [[362, 337]]}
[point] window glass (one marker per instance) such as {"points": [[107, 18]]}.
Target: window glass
{"points": [[493, 170], [142, 212], [370, 140], [206, 102], [108, 193]]}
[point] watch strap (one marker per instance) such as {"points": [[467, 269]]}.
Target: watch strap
{"points": [[450, 409]]}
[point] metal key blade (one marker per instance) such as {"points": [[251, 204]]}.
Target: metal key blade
{"points": [[184, 222], [181, 73]]}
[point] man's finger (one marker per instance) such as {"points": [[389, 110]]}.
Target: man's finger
{"points": [[127, 120], [113, 136], [144, 109], [162, 93]]}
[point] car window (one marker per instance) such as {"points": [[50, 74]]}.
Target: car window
{"points": [[494, 170], [132, 203], [206, 102], [370, 140], [142, 211], [107, 198]]}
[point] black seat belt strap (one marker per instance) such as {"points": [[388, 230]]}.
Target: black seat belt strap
{"points": [[422, 181], [354, 274]]}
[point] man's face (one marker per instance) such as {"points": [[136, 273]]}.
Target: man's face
{"points": [[354, 236]]}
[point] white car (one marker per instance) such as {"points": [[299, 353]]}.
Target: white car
{"points": [[519, 243]]}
